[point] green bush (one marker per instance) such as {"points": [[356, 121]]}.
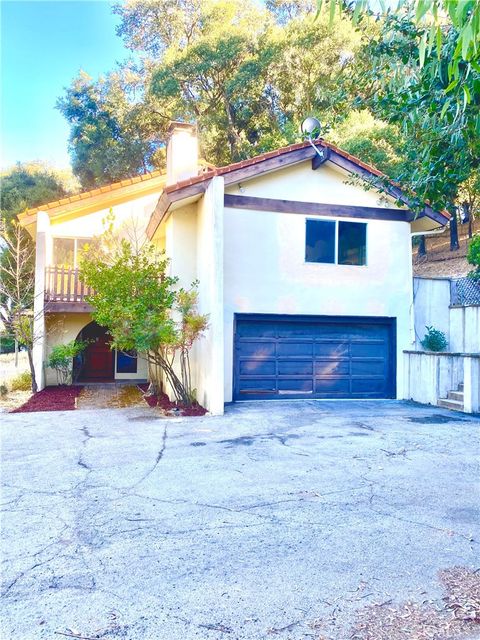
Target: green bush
{"points": [[22, 382], [473, 256], [61, 359], [7, 344], [434, 340]]}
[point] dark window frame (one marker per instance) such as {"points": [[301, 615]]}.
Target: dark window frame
{"points": [[336, 240], [127, 357]]}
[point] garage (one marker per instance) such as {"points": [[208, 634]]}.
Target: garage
{"points": [[280, 357]]}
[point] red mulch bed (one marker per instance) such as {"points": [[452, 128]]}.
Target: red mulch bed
{"points": [[51, 399], [163, 401]]}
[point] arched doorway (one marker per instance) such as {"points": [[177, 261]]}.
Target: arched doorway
{"points": [[96, 363]]}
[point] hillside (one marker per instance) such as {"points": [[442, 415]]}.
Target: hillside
{"points": [[440, 261]]}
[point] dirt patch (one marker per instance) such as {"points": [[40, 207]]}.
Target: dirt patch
{"points": [[440, 261], [14, 399], [128, 396], [51, 399], [457, 616], [110, 396], [163, 402]]}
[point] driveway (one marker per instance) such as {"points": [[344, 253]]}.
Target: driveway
{"points": [[280, 519]]}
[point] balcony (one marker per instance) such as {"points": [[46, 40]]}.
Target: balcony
{"points": [[64, 291]]}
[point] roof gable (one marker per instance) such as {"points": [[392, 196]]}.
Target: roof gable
{"points": [[273, 161], [96, 199]]}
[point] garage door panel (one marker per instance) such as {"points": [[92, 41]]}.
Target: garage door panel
{"points": [[278, 356], [259, 385], [332, 386], [291, 348], [368, 385], [258, 367], [368, 349], [332, 349], [368, 367], [327, 368], [295, 367], [295, 386], [257, 349]]}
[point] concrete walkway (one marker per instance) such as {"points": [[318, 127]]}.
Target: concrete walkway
{"points": [[109, 396], [280, 519]]}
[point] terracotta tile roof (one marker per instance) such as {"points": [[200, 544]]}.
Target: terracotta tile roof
{"points": [[219, 171], [94, 192]]}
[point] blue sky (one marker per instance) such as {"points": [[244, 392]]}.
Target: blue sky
{"points": [[43, 46]]}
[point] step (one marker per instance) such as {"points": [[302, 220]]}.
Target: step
{"points": [[454, 405], [455, 395]]}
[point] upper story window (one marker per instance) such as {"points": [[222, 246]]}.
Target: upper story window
{"points": [[67, 251], [336, 242]]}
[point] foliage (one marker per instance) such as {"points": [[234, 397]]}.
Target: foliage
{"points": [[61, 359], [247, 73], [372, 140], [31, 184], [23, 186], [7, 343], [107, 140], [473, 256], [17, 285], [469, 197], [143, 310], [22, 382], [434, 340], [431, 15], [440, 129]]}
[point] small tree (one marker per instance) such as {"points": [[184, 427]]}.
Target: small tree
{"points": [[61, 359], [143, 310], [17, 285], [473, 257]]}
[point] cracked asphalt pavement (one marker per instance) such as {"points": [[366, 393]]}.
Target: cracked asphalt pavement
{"points": [[122, 524]]}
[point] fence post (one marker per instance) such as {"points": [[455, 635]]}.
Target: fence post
{"points": [[471, 384]]}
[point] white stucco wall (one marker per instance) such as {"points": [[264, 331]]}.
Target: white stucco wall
{"points": [[265, 269], [209, 352], [193, 240], [131, 217], [431, 302], [461, 325], [430, 376], [465, 329]]}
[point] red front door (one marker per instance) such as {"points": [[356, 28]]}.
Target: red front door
{"points": [[98, 360]]}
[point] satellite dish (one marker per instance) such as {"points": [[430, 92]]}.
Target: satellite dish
{"points": [[310, 126]]}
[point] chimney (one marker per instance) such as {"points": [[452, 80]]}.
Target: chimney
{"points": [[182, 152]]}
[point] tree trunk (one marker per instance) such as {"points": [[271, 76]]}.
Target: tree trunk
{"points": [[32, 371], [422, 247], [453, 230]]}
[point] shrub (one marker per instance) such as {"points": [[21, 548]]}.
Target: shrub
{"points": [[22, 382], [7, 344], [434, 340], [473, 256], [3, 390], [61, 359]]}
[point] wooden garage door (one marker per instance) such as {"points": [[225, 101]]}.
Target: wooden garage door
{"points": [[313, 357]]}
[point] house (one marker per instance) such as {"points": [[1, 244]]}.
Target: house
{"points": [[306, 275]]}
